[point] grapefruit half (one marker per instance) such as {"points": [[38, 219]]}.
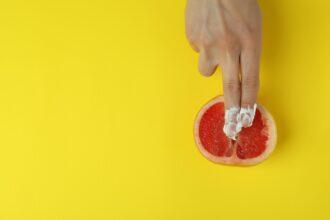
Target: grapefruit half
{"points": [[253, 144]]}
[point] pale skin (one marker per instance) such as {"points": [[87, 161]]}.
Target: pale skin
{"points": [[227, 34]]}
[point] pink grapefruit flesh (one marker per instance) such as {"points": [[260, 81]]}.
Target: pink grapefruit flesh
{"points": [[253, 144]]}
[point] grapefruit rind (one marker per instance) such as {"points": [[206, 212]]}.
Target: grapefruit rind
{"points": [[234, 160]]}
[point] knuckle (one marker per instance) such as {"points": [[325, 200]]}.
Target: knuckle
{"points": [[250, 37], [231, 85], [193, 41], [250, 41], [229, 43], [205, 72], [192, 38], [250, 83], [206, 69], [208, 40], [192, 34]]}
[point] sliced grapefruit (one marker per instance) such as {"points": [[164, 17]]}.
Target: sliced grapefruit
{"points": [[253, 144]]}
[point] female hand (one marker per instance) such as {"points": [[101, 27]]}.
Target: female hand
{"points": [[227, 33]]}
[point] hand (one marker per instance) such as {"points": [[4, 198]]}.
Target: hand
{"points": [[227, 33]]}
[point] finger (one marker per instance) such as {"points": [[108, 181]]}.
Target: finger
{"points": [[206, 64], [250, 86], [232, 95], [231, 82], [194, 47]]}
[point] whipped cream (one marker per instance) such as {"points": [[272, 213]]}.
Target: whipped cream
{"points": [[236, 118], [246, 116], [230, 128]]}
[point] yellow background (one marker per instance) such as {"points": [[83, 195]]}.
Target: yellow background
{"points": [[97, 102]]}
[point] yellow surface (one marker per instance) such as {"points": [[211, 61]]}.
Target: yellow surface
{"points": [[97, 105]]}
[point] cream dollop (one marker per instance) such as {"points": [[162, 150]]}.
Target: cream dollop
{"points": [[246, 116], [236, 118], [230, 127]]}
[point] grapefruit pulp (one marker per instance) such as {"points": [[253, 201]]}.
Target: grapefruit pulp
{"points": [[253, 144]]}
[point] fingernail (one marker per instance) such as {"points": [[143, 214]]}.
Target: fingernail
{"points": [[230, 128], [246, 116]]}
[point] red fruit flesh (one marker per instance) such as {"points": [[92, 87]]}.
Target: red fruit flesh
{"points": [[210, 130], [253, 144]]}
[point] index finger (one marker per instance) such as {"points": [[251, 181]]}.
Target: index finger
{"points": [[250, 85]]}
